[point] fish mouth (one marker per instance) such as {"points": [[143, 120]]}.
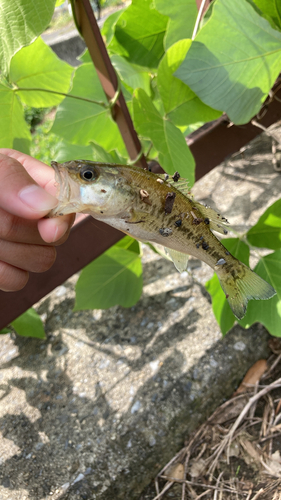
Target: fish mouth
{"points": [[63, 190]]}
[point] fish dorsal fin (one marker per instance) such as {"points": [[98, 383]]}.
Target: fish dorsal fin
{"points": [[181, 184], [179, 259], [217, 221]]}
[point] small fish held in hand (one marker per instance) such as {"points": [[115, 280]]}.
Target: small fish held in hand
{"points": [[157, 209]]}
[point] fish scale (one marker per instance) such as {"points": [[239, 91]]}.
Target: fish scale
{"points": [[151, 208]]}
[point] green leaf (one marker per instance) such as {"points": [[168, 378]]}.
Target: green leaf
{"points": [[99, 154], [12, 123], [134, 76], [114, 278], [21, 21], [267, 312], [22, 145], [181, 104], [5, 330], [37, 66], [80, 121], [234, 61], [65, 151], [29, 324], [174, 154], [221, 308], [129, 243], [271, 9], [108, 28], [267, 231], [183, 14], [139, 34]]}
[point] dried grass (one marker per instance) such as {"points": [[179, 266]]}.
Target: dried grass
{"points": [[242, 430]]}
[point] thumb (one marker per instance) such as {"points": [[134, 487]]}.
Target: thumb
{"points": [[19, 193]]}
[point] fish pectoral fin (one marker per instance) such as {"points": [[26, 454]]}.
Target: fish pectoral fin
{"points": [[216, 221], [179, 259]]}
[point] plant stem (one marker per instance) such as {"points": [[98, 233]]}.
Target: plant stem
{"points": [[198, 19], [99, 103]]}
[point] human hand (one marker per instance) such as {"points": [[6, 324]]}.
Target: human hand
{"points": [[27, 240]]}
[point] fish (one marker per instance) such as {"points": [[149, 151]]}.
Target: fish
{"points": [[158, 209]]}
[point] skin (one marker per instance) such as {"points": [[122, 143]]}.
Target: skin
{"points": [[27, 240]]}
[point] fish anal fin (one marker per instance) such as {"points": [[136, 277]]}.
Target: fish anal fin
{"points": [[179, 259], [216, 222]]}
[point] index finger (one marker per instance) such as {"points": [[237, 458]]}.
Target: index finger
{"points": [[20, 194], [42, 174]]}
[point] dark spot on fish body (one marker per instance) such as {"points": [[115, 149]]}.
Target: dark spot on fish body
{"points": [[201, 238], [166, 177], [225, 231], [227, 295], [165, 231], [198, 245], [207, 221], [176, 177], [103, 190], [169, 202], [178, 223], [205, 245], [227, 253], [101, 212], [197, 221]]}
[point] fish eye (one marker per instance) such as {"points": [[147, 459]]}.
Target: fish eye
{"points": [[88, 173]]}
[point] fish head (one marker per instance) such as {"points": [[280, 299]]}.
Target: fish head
{"points": [[89, 187]]}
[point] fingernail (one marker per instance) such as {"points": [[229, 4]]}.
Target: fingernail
{"points": [[37, 198], [60, 230]]}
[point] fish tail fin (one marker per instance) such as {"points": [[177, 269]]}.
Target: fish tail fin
{"points": [[242, 287]]}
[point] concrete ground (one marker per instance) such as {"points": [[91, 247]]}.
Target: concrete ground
{"points": [[96, 409]]}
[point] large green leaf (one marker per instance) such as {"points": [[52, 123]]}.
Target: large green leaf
{"points": [[221, 308], [234, 60], [79, 121], [181, 104], [134, 76], [139, 34], [21, 21], [113, 278], [182, 14], [270, 9], [108, 28], [174, 154], [65, 151], [37, 66], [267, 312], [267, 231], [29, 324], [12, 123]]}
